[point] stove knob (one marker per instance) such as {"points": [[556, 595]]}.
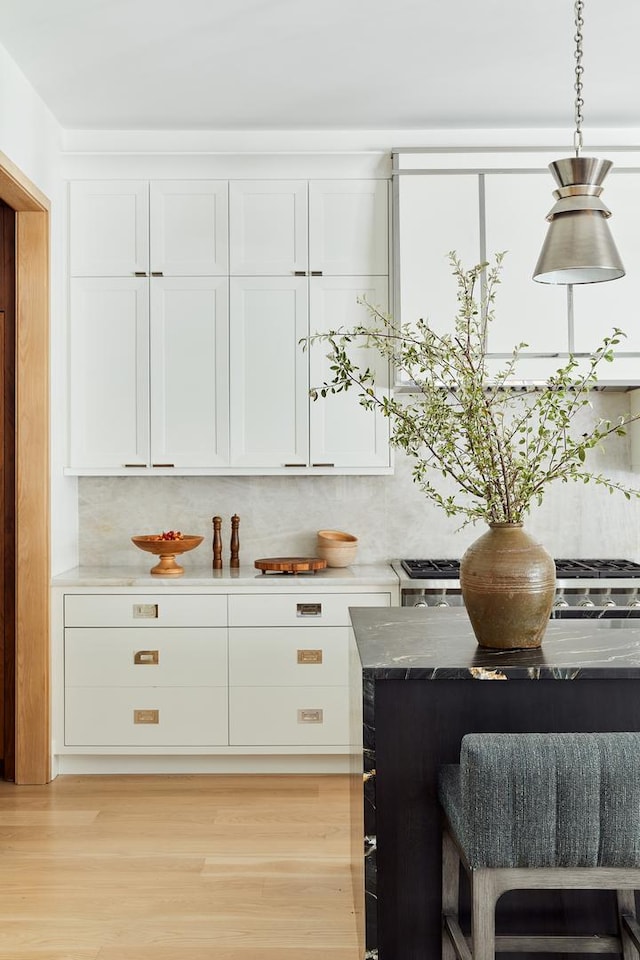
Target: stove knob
{"points": [[560, 604], [586, 603], [635, 604], [441, 603], [609, 603], [421, 603]]}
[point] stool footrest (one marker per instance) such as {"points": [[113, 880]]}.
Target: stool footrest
{"points": [[558, 944], [633, 929]]}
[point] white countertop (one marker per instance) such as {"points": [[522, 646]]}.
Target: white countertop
{"points": [[244, 576]]}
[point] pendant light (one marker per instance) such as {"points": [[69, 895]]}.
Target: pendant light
{"points": [[578, 247]]}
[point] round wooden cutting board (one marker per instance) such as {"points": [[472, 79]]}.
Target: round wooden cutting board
{"points": [[290, 564]]}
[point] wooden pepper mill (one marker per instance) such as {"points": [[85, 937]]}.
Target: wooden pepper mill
{"points": [[235, 541], [217, 543]]}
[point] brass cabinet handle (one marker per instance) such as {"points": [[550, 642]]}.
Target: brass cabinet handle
{"points": [[310, 716], [323, 464], [308, 609], [309, 656], [135, 466], [144, 657], [145, 611], [139, 273], [299, 273], [316, 273], [294, 464], [157, 273], [146, 716], [163, 464]]}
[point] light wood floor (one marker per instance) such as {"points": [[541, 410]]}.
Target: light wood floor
{"points": [[176, 868]]}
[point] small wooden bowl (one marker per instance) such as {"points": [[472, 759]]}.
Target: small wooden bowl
{"points": [[167, 550], [334, 538]]}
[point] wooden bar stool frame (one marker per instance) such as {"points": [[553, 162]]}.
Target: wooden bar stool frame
{"points": [[487, 885]]}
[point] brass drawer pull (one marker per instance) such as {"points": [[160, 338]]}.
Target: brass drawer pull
{"points": [[309, 656], [139, 273], [145, 611], [135, 466], [323, 464], [310, 716], [316, 273], [163, 464], [294, 464], [146, 716], [157, 273], [143, 657], [299, 273], [308, 610]]}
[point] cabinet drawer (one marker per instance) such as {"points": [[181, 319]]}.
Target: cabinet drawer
{"points": [[139, 716], [144, 610], [295, 609], [286, 716], [295, 656], [166, 657]]}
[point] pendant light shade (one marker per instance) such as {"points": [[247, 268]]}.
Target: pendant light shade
{"points": [[578, 247]]}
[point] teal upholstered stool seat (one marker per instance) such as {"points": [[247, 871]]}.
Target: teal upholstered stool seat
{"points": [[526, 811]]}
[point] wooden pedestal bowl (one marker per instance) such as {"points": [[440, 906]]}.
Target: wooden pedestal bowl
{"points": [[167, 550]]}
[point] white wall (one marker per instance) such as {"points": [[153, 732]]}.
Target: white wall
{"points": [[31, 137]]}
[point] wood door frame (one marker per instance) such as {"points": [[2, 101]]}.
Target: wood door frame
{"points": [[33, 550]]}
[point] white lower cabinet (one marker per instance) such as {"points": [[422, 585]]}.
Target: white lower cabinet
{"points": [[243, 675], [288, 668]]}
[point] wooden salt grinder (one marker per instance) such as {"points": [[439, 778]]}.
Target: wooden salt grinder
{"points": [[235, 541], [217, 543]]}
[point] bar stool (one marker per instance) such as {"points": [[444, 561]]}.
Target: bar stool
{"points": [[540, 811]]}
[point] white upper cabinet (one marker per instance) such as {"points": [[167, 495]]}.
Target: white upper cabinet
{"points": [[167, 227], [196, 364], [189, 376], [109, 228], [189, 228], [348, 227], [437, 214], [328, 227], [516, 205], [268, 227], [341, 431], [269, 380], [109, 372]]}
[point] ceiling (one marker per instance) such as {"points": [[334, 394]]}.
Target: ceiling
{"points": [[326, 64]]}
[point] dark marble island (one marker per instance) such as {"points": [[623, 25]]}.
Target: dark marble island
{"points": [[411, 707]]}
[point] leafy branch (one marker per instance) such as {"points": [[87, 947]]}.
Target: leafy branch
{"points": [[501, 449]]}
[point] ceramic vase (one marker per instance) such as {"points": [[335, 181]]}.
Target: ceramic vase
{"points": [[508, 581]]}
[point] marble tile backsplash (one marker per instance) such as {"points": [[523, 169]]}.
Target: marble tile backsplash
{"points": [[279, 516]]}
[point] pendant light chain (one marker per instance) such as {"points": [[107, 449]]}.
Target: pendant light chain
{"points": [[579, 70]]}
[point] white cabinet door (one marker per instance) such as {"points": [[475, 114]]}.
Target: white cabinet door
{"points": [[109, 228], [342, 433], [189, 376], [598, 307], [109, 373], [437, 214], [516, 205], [269, 379], [348, 232], [268, 227], [189, 227]]}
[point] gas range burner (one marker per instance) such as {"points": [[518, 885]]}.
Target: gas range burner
{"points": [[432, 569], [603, 569], [565, 569]]}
